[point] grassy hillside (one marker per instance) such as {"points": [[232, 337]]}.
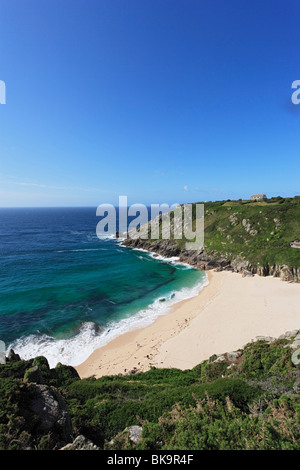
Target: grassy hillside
{"points": [[246, 401], [255, 234], [260, 232]]}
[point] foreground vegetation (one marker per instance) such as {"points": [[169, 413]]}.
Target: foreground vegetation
{"points": [[250, 401]]}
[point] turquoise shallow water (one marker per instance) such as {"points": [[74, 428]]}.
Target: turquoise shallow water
{"points": [[64, 292]]}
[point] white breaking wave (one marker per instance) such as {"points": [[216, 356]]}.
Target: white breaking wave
{"points": [[80, 249], [171, 259], [76, 350]]}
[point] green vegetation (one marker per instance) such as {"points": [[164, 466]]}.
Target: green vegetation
{"points": [[260, 232], [249, 403], [253, 236]]}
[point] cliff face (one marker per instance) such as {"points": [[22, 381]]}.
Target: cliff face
{"points": [[240, 236], [203, 261]]}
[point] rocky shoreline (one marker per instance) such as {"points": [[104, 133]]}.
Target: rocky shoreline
{"points": [[204, 261]]}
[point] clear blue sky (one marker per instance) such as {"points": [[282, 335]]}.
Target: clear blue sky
{"points": [[164, 101]]}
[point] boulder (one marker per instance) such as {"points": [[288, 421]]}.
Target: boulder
{"points": [[247, 273], [239, 264], [296, 386], [51, 412], [212, 358], [233, 356], [220, 358], [12, 356], [286, 273], [294, 345], [81, 443], [135, 433], [296, 358], [262, 271], [290, 335], [246, 224], [296, 342], [267, 339]]}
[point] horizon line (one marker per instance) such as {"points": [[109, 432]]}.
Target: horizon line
{"points": [[148, 205]]}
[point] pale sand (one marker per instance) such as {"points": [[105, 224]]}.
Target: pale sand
{"points": [[226, 315]]}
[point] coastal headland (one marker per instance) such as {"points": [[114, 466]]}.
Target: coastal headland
{"points": [[253, 290]]}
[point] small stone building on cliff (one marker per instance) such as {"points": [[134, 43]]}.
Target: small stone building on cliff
{"points": [[258, 197]]}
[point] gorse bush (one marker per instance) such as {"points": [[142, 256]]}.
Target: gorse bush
{"points": [[215, 426], [261, 358], [253, 404]]}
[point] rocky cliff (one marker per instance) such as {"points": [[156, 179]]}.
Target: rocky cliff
{"points": [[204, 261], [245, 237]]}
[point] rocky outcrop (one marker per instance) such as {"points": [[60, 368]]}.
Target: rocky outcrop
{"points": [[204, 261], [12, 356], [81, 443], [42, 420], [235, 357], [132, 434], [135, 433], [296, 358], [50, 412], [247, 225]]}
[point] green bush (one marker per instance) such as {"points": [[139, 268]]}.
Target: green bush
{"points": [[207, 407], [261, 358], [211, 425]]}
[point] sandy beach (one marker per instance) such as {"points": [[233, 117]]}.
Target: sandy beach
{"points": [[229, 312]]}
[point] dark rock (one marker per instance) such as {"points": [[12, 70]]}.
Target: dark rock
{"points": [[201, 260], [213, 358], [53, 417], [12, 356], [33, 375], [286, 273], [239, 264]]}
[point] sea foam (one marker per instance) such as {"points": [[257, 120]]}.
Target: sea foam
{"points": [[76, 350]]}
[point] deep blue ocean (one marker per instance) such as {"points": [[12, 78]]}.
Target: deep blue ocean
{"points": [[65, 292]]}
